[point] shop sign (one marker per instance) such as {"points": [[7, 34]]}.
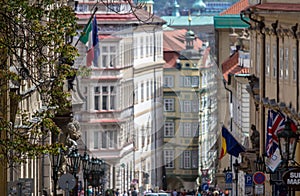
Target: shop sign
{"points": [[292, 178]]}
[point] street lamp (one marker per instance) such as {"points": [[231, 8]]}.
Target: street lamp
{"points": [[56, 160], [85, 159], [102, 174], [287, 139], [73, 166], [236, 167]]}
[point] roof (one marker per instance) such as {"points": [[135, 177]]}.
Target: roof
{"points": [[287, 7], [236, 8], [231, 66], [183, 20], [230, 18], [230, 21], [139, 16], [174, 42]]}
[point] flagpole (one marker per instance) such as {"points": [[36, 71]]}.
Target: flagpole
{"points": [[90, 19]]}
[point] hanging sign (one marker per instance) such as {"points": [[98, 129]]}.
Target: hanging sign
{"points": [[292, 177]]}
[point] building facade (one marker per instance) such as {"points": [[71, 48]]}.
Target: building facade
{"points": [[121, 119], [275, 62], [189, 107]]}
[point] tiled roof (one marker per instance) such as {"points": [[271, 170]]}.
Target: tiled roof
{"points": [[287, 7], [236, 8], [174, 43], [139, 16], [231, 66]]}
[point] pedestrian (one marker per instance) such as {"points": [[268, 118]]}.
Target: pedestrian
{"points": [[174, 192], [117, 192], [134, 192], [125, 193]]}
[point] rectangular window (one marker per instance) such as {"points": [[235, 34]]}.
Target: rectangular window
{"points": [[104, 89], [274, 61], [187, 106], [104, 138], [142, 47], [104, 102], [104, 60], [187, 159], [267, 59], [108, 55], [168, 81], [112, 62], [195, 81], [294, 64], [97, 89], [96, 137], [169, 129], [147, 90], [142, 92], [169, 105], [187, 81], [111, 139], [169, 158], [96, 103], [86, 103], [280, 62], [287, 62], [187, 130], [112, 102]]}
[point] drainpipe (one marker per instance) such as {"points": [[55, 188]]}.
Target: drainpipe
{"points": [[242, 13], [294, 29]]}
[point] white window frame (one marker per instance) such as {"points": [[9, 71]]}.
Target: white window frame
{"points": [[187, 81], [169, 158], [187, 132], [108, 55], [169, 129], [187, 106], [171, 105], [168, 81], [187, 159]]}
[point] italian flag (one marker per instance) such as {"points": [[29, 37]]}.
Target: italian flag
{"points": [[90, 39]]}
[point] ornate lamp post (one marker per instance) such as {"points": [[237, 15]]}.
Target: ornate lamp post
{"points": [[73, 166], [56, 160], [236, 167], [86, 166], [287, 139], [102, 175]]}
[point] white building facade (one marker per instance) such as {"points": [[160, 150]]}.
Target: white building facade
{"points": [[122, 109]]}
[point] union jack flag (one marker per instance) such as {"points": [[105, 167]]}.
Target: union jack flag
{"points": [[276, 122]]}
